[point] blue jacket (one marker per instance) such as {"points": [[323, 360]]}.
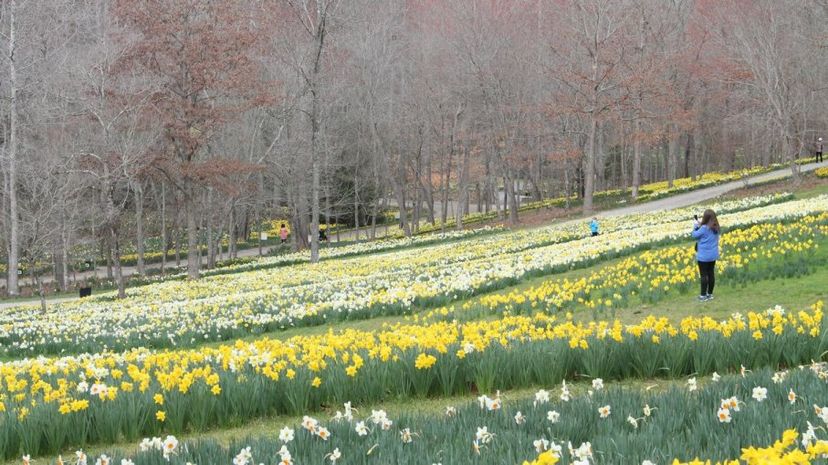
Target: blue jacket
{"points": [[593, 226], [708, 244]]}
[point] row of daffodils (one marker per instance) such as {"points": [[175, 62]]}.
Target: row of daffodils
{"points": [[48, 404], [360, 248], [783, 414], [221, 307], [515, 240], [760, 252]]}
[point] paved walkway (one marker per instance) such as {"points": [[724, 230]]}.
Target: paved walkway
{"points": [[676, 201], [700, 195]]}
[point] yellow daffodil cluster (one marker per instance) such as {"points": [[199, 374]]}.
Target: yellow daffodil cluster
{"points": [[661, 189], [72, 384], [782, 452], [545, 458]]}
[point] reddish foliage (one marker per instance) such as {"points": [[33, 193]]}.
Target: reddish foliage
{"points": [[199, 57]]}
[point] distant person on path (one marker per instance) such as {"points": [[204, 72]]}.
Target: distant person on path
{"points": [[706, 234], [593, 226], [819, 147], [283, 233]]}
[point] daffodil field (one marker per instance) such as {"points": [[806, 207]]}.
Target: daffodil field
{"points": [[759, 417], [167, 360], [222, 307], [754, 253]]}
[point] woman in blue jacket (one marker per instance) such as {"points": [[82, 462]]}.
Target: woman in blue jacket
{"points": [[706, 233]]}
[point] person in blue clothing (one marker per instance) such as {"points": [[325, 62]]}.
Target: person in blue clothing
{"points": [[706, 234], [593, 226]]}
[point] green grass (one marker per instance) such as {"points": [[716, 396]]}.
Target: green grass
{"points": [[792, 294], [813, 191]]}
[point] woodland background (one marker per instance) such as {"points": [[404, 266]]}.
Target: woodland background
{"points": [[193, 122]]}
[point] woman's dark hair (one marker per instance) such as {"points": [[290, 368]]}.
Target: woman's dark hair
{"points": [[709, 218], [283, 225]]}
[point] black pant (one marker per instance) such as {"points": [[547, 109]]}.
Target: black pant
{"points": [[819, 157], [708, 280]]}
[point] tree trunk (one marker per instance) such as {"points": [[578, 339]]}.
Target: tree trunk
{"points": [[139, 228], [64, 238], [115, 254], [177, 229], [4, 204], [211, 245], [788, 148], [429, 188], [672, 155], [217, 243], [57, 259], [398, 183], [623, 164], [14, 240], [589, 162], [356, 204], [192, 234], [315, 162], [163, 210], [636, 168], [233, 230], [478, 196], [600, 158], [512, 195], [107, 247], [687, 152], [373, 221], [487, 186], [462, 188], [447, 182]]}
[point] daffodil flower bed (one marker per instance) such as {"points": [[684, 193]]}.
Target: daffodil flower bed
{"points": [[361, 248], [720, 420], [515, 240], [759, 252], [222, 307], [660, 189], [49, 404]]}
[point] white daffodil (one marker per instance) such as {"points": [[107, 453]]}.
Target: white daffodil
{"points": [[541, 397], [286, 434], [361, 429], [760, 393]]}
